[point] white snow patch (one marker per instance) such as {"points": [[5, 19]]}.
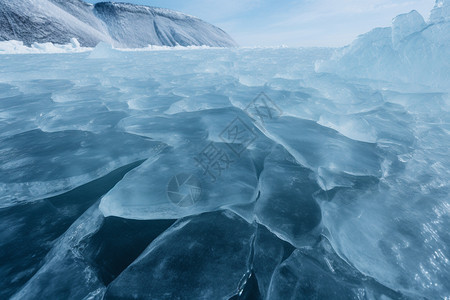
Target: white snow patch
{"points": [[17, 47]]}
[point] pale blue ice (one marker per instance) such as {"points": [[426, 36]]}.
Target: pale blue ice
{"points": [[318, 173]]}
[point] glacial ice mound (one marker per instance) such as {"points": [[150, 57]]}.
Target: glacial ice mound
{"points": [[411, 51], [441, 12], [405, 25], [104, 51]]}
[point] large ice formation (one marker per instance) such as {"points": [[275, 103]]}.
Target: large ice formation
{"points": [[411, 51]]}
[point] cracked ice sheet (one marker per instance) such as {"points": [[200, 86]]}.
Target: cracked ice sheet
{"points": [[145, 193], [324, 150], [36, 164], [318, 273], [223, 169], [369, 144], [186, 261], [286, 205], [396, 231], [65, 272]]}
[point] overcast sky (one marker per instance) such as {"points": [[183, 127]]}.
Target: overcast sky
{"points": [[294, 22]]}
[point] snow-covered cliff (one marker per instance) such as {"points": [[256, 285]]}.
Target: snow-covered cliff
{"points": [[122, 25]]}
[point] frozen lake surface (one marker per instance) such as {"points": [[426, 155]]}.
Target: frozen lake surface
{"points": [[220, 173]]}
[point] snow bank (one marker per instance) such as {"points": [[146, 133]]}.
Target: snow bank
{"points": [[102, 50], [17, 47]]}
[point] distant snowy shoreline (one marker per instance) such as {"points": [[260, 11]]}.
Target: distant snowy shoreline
{"points": [[18, 47]]}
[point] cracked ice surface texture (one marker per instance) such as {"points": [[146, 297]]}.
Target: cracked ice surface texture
{"points": [[334, 187]]}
